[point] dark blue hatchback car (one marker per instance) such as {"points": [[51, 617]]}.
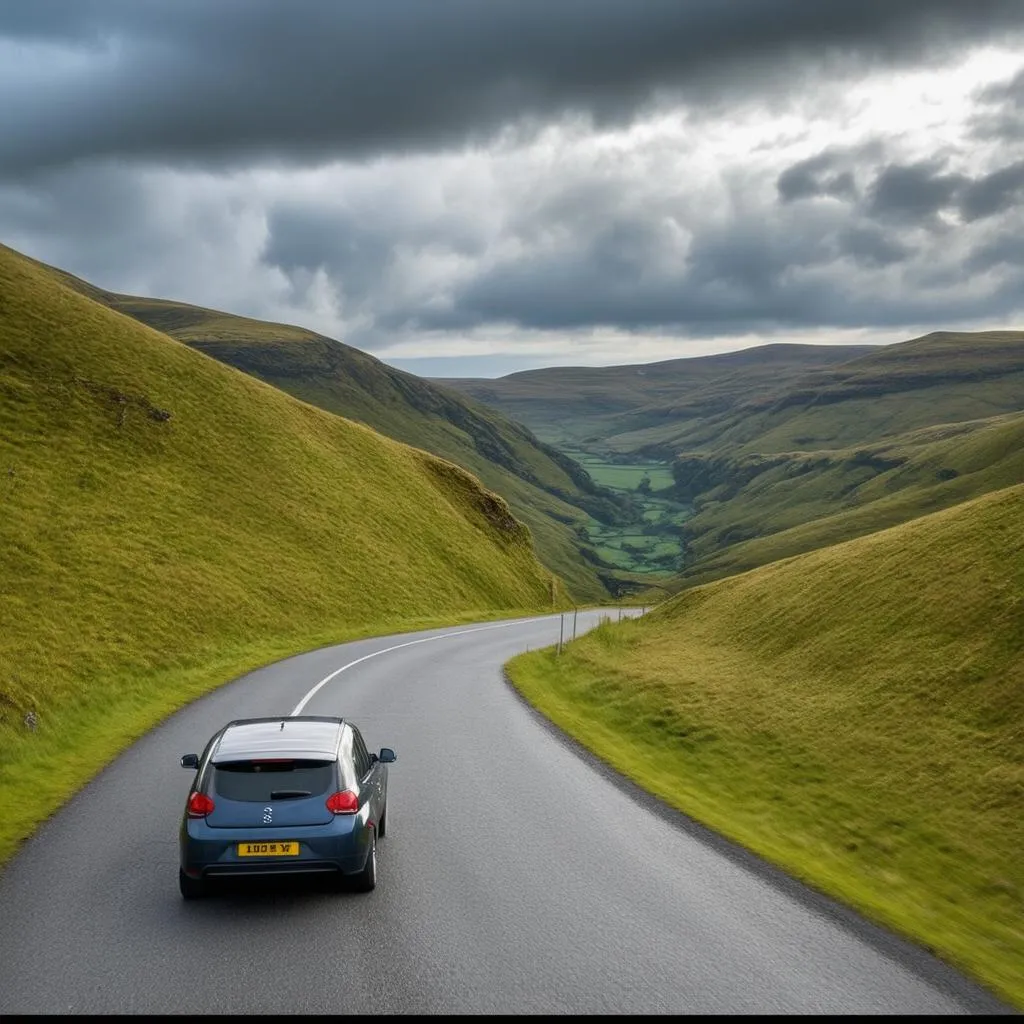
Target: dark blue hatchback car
{"points": [[284, 796]]}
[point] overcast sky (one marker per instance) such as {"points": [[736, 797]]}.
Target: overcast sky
{"points": [[470, 187]]}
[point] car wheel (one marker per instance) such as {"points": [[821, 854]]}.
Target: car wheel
{"points": [[366, 880], [191, 888], [382, 824]]}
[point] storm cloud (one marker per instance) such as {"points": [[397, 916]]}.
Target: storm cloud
{"points": [[237, 80], [460, 177], [913, 192], [821, 175]]}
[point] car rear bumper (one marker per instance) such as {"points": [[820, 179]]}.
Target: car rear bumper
{"points": [[339, 846]]}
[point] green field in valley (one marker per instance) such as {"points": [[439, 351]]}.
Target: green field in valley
{"points": [[623, 476], [652, 543]]}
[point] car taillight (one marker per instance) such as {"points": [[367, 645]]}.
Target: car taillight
{"points": [[199, 805], [345, 802]]}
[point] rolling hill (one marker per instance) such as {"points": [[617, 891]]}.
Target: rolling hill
{"points": [[940, 378], [768, 398], [753, 509], [545, 489], [855, 715], [167, 522], [589, 407]]}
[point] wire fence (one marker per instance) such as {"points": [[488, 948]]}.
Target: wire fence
{"points": [[562, 640]]}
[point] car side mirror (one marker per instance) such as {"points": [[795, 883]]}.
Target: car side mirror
{"points": [[387, 755], [189, 760]]}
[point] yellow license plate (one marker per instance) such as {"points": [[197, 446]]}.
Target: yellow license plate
{"points": [[280, 848]]}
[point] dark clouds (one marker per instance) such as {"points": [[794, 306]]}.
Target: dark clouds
{"points": [[869, 246], [993, 193], [909, 193], [354, 252], [235, 80], [816, 176], [1000, 114], [913, 192], [420, 171], [795, 265]]}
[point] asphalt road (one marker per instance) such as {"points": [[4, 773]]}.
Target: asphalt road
{"points": [[517, 876]]}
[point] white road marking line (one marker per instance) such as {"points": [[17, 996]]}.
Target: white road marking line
{"points": [[409, 643]]}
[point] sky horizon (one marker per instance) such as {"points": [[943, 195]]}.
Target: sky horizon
{"points": [[468, 189]]}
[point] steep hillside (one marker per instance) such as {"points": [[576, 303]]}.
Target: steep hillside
{"points": [[545, 489], [753, 509], [167, 522], [855, 715]]}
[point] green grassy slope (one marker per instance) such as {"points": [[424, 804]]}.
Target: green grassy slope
{"points": [[567, 405], [167, 522], [855, 715], [782, 505], [942, 377], [545, 489], [771, 398]]}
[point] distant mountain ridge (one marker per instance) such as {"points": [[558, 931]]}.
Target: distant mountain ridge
{"points": [[595, 404]]}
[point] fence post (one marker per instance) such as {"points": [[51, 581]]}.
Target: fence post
{"points": [[561, 630], [574, 622]]}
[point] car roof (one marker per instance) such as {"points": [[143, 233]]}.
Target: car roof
{"points": [[308, 736]]}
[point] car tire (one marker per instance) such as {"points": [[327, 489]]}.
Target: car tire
{"points": [[191, 888], [382, 824], [366, 880]]}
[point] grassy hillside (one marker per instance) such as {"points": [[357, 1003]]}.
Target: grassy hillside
{"points": [[167, 522], [592, 405], [750, 510], [779, 451], [886, 437], [772, 398], [545, 489], [940, 378], [855, 715]]}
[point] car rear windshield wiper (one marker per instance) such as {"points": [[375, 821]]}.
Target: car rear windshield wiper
{"points": [[285, 794]]}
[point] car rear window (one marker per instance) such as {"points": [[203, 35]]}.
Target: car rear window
{"points": [[260, 781]]}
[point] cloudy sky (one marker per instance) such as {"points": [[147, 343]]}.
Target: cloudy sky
{"points": [[470, 187]]}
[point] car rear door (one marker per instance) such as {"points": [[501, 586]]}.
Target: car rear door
{"points": [[270, 792]]}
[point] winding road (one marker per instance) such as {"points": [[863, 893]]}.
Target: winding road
{"points": [[517, 876]]}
